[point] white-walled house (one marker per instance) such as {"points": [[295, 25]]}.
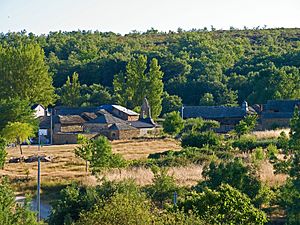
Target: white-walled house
{"points": [[39, 110]]}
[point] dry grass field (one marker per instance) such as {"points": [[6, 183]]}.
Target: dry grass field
{"points": [[66, 167], [267, 134]]}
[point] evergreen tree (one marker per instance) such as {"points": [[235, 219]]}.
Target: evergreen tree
{"points": [[70, 92]]}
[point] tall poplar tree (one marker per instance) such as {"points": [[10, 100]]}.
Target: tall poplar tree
{"points": [[24, 74], [130, 89], [155, 88]]}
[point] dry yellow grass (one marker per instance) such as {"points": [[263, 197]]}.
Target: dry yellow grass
{"points": [[267, 175], [268, 134], [67, 167], [184, 176]]}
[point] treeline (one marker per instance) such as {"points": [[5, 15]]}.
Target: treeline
{"points": [[201, 67]]}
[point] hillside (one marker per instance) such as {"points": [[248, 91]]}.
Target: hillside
{"points": [[230, 66]]}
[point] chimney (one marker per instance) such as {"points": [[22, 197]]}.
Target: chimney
{"points": [[245, 106]]}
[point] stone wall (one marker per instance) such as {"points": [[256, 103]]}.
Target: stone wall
{"points": [[61, 139], [94, 127], [71, 128], [268, 124]]}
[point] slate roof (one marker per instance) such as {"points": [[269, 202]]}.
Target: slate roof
{"points": [[140, 124], [74, 111], [281, 105], [71, 119], [36, 105], [106, 118], [213, 112], [89, 115], [122, 126]]}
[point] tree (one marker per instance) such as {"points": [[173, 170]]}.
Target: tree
{"points": [[96, 95], [196, 139], [170, 103], [84, 151], [128, 208], [207, 99], [173, 123], [70, 92], [16, 110], [155, 88], [102, 156], [234, 173], [246, 125], [17, 133], [3, 152], [130, 89], [163, 186], [224, 205], [24, 74], [295, 130], [10, 212]]}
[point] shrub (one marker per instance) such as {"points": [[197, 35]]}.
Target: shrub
{"points": [[3, 152], [173, 123], [234, 173], [200, 140], [272, 152], [163, 186], [245, 143], [224, 205], [246, 125], [283, 141]]}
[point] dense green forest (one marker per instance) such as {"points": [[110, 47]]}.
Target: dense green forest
{"points": [[226, 67]]}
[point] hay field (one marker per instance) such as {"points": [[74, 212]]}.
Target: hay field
{"points": [[66, 166]]}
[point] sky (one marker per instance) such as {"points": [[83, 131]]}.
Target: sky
{"points": [[124, 16]]}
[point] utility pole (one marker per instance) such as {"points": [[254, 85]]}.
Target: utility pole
{"points": [[51, 131], [182, 107], [39, 181]]}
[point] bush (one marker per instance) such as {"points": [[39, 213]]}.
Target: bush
{"points": [[163, 186], [3, 152], [245, 143], [200, 140], [224, 205], [173, 123], [234, 173], [126, 209]]}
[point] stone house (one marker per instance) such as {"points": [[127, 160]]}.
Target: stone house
{"points": [[227, 116], [277, 113], [112, 121]]}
